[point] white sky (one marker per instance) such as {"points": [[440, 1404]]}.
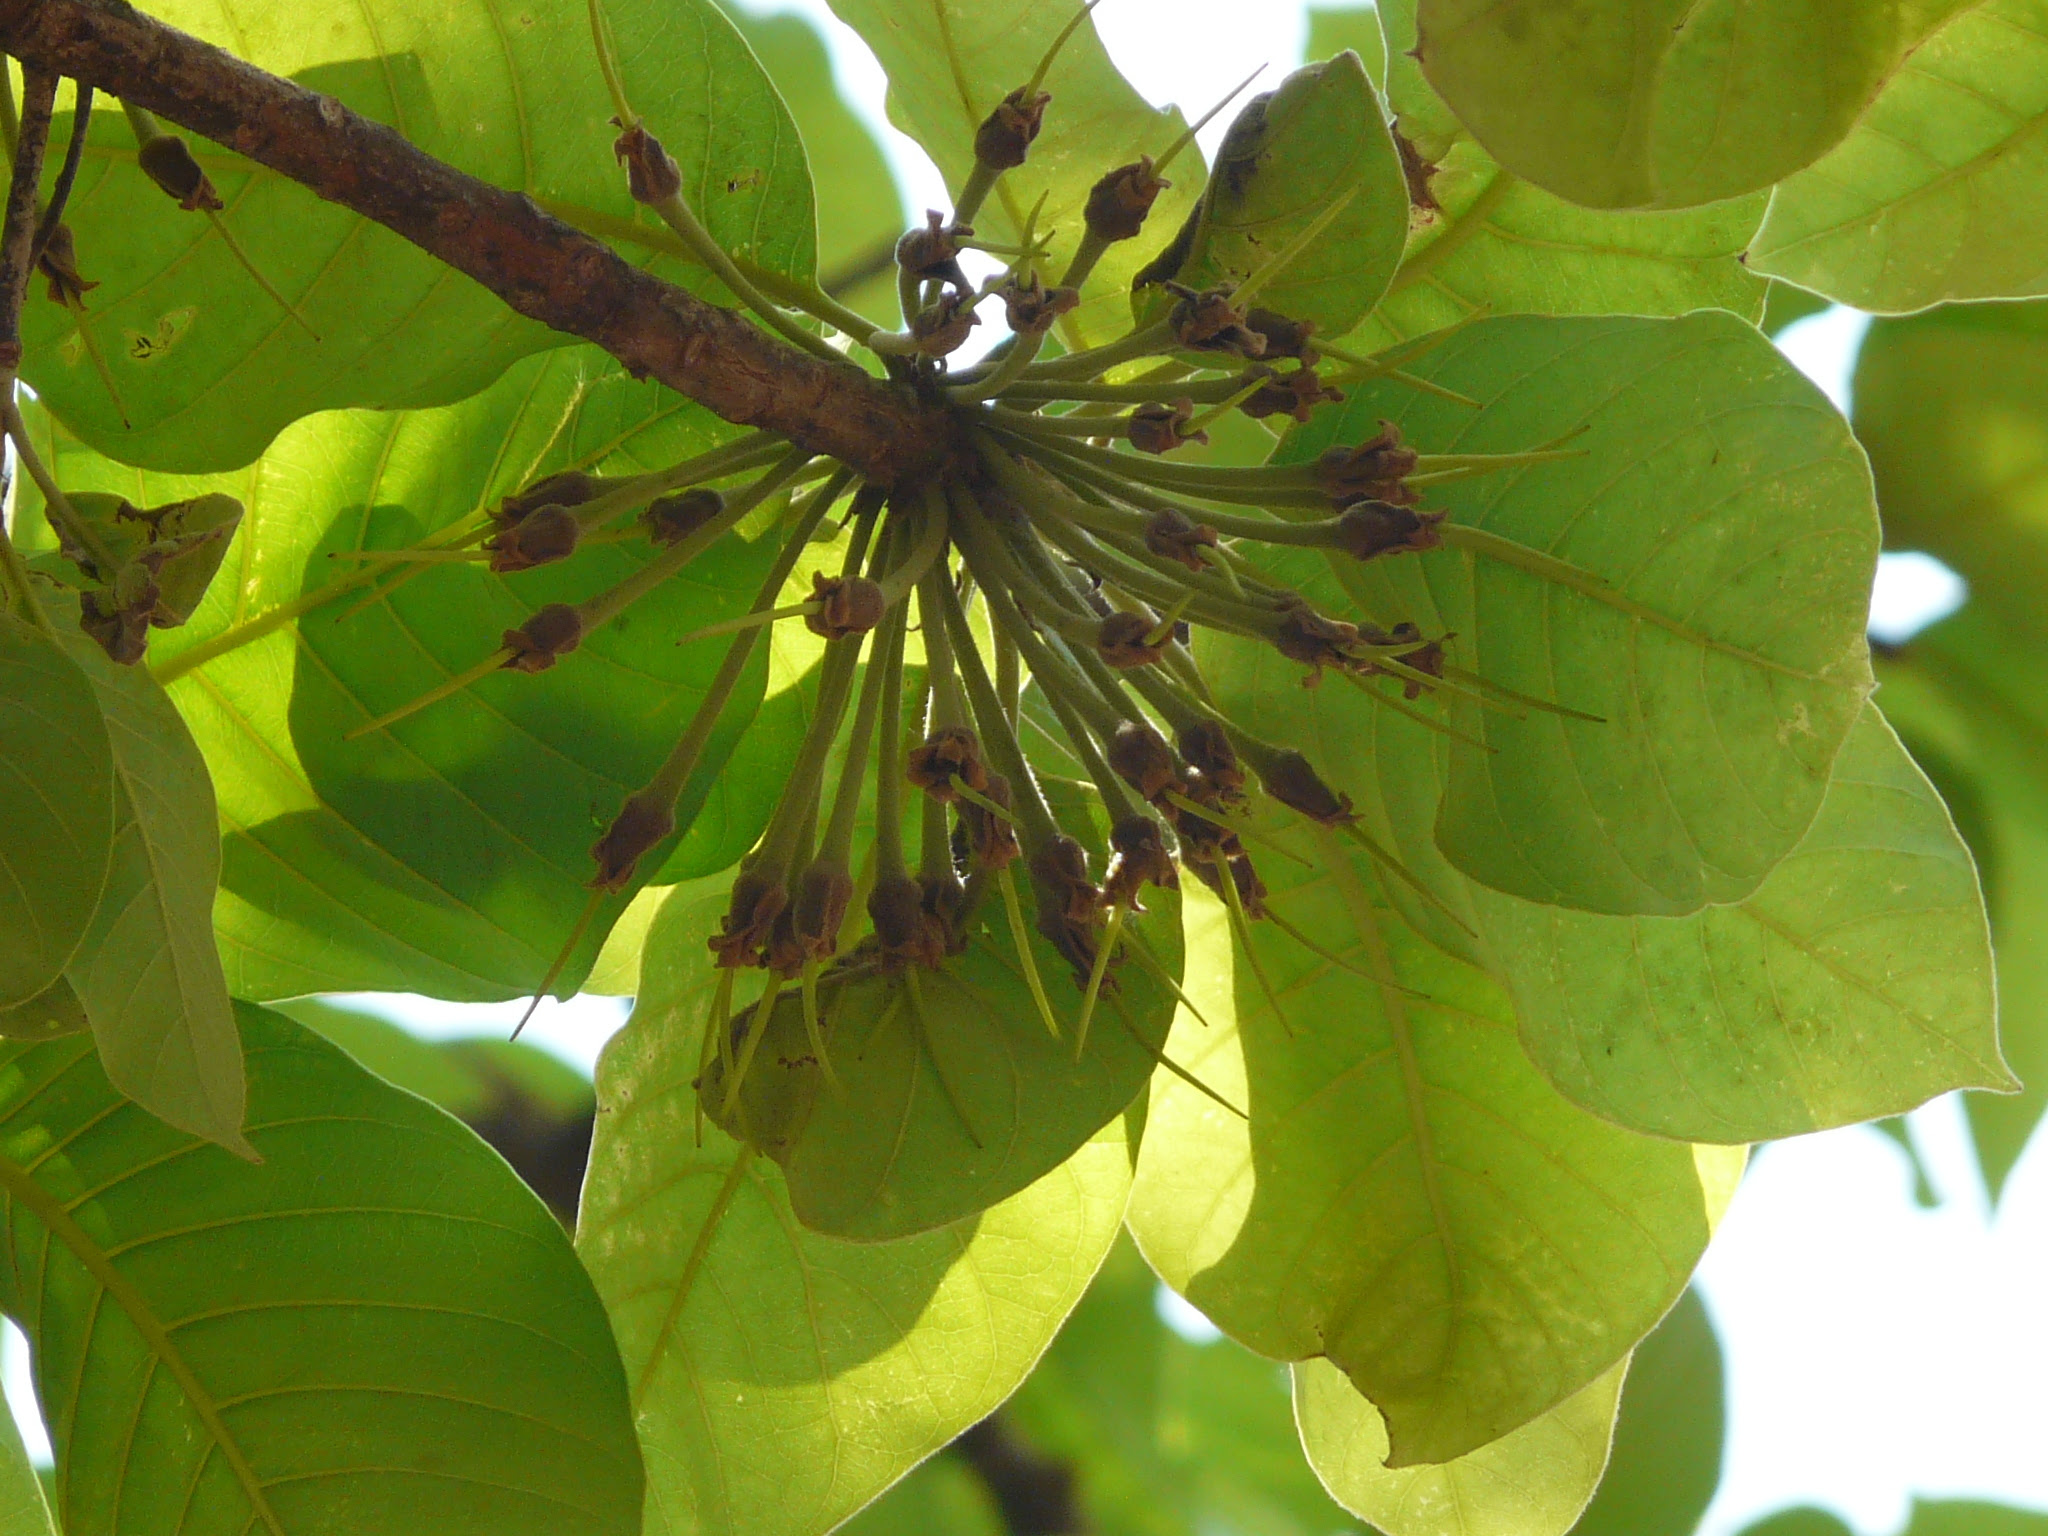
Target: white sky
{"points": [[1876, 1350]]}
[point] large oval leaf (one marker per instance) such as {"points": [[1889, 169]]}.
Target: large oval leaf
{"points": [[1721, 515], [209, 368], [1855, 983], [1533, 1481], [378, 1331], [950, 61], [56, 809], [1410, 1197], [1313, 151], [1664, 103], [448, 854], [147, 972], [1484, 239], [1939, 192], [1666, 1460], [781, 1379]]}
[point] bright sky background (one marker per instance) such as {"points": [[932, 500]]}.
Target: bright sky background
{"points": [[1876, 1350]]}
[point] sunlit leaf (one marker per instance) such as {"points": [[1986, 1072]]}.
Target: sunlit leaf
{"points": [[1659, 103], [1495, 242], [447, 854], [209, 368], [780, 1378], [1721, 516], [377, 1331], [950, 61], [1532, 1481], [1410, 1197], [1937, 193], [1666, 1460], [23, 1510], [147, 971], [56, 809]]}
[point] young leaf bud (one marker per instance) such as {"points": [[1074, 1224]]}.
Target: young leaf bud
{"points": [[167, 162], [1172, 536], [652, 175], [643, 822], [847, 605], [672, 519], [1118, 203], [1375, 470], [1123, 640], [1004, 137], [1368, 529], [1157, 428], [544, 535], [552, 633]]}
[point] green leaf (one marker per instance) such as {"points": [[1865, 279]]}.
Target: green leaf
{"points": [[950, 61], [447, 854], [1332, 29], [56, 809], [1784, 304], [147, 971], [1661, 103], [23, 1509], [1720, 515], [1312, 152], [1532, 1481], [1945, 1518], [209, 368], [782, 1379], [1962, 694], [1666, 1460], [1856, 982], [1410, 1197], [1799, 1522], [1495, 242], [1937, 194], [377, 1331], [52, 1012], [957, 1096], [939, 1497]]}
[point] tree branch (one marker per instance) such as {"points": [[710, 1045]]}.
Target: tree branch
{"points": [[538, 265]]}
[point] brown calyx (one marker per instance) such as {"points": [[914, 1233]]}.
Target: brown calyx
{"points": [[1141, 859], [671, 519], [1290, 778], [58, 262], [758, 900], [818, 911], [847, 605], [1031, 308], [166, 161], [932, 254], [951, 750], [1369, 529], [1295, 394], [570, 488], [1209, 322], [991, 840], [1375, 470], [544, 535], [1309, 637], [1069, 903], [942, 329], [641, 825], [1142, 759], [552, 633], [1004, 137], [652, 175], [905, 932], [1174, 536], [1206, 746], [1118, 203], [1284, 336], [1159, 428], [1125, 640]]}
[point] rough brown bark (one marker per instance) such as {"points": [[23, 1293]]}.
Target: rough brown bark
{"points": [[536, 264]]}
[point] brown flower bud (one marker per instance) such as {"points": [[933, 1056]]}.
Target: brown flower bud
{"points": [[1141, 860], [552, 633], [1031, 309], [944, 900], [1368, 529], [544, 535], [1124, 640], [1143, 760], [1427, 658], [641, 825], [672, 519], [571, 488], [1163, 428], [1307, 636], [1172, 536], [1069, 903], [950, 750], [1209, 322], [942, 329], [1293, 781], [823, 893], [932, 254], [652, 175], [1118, 203], [905, 932], [1293, 394], [848, 605], [750, 917], [166, 161], [1206, 746], [991, 840], [1004, 137], [1284, 337], [1202, 842], [59, 263], [1375, 470]]}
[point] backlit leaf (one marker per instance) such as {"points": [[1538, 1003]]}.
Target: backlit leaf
{"points": [[56, 809], [780, 1378], [1666, 1459], [378, 1332], [23, 1510]]}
